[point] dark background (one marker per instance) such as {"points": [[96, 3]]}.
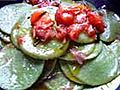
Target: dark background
{"points": [[113, 5]]}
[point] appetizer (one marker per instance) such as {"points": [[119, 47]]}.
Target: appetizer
{"points": [[56, 45]]}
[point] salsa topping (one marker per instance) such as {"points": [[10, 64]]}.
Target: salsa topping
{"points": [[42, 26], [70, 22]]}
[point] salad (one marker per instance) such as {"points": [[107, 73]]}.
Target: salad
{"points": [[58, 45]]}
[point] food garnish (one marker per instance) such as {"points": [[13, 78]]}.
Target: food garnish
{"points": [[58, 45]]}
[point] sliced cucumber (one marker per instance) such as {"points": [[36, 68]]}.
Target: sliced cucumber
{"points": [[66, 69], [101, 69], [96, 52], [51, 50], [58, 82], [112, 29], [49, 67], [16, 71], [10, 15], [85, 49], [115, 47], [90, 51], [23, 21]]}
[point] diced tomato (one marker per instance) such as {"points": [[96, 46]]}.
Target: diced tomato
{"points": [[67, 18], [74, 31], [63, 17], [61, 33], [71, 22], [44, 22], [58, 16], [81, 18], [91, 32], [35, 16], [96, 21], [42, 28]]}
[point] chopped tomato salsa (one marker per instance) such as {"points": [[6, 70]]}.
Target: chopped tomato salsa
{"points": [[42, 26], [70, 22], [79, 19]]}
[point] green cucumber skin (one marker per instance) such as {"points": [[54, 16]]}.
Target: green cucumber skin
{"points": [[10, 15], [115, 47], [16, 71], [96, 52], [100, 70], [68, 72]]}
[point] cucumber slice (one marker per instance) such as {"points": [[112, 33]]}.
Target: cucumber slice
{"points": [[66, 69], [24, 21], [112, 22], [113, 85], [115, 47], [85, 49], [51, 50], [10, 14], [16, 71], [58, 82], [49, 67], [101, 69], [90, 50], [96, 52]]}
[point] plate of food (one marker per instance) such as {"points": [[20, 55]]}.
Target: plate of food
{"points": [[59, 45]]}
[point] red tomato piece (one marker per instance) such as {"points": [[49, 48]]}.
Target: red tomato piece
{"points": [[96, 21], [63, 17], [67, 18], [91, 32], [61, 33], [74, 31], [35, 17], [44, 22]]}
